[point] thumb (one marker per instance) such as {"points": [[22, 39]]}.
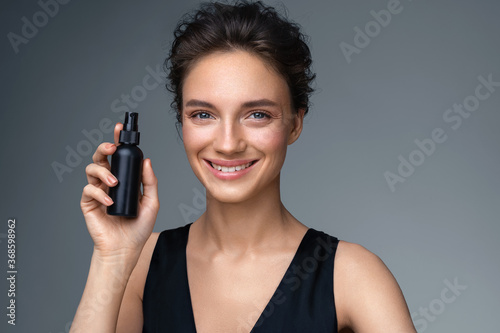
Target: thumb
{"points": [[149, 184]]}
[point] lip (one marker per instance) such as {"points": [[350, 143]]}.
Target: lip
{"points": [[229, 175], [230, 163]]}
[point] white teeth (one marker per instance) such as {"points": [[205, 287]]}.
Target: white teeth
{"points": [[230, 169]]}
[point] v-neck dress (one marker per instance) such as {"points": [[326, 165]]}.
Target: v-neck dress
{"points": [[302, 302]]}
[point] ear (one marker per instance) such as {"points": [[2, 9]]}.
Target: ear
{"points": [[297, 123]]}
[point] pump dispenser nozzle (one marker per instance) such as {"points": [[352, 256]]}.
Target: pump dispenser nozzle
{"points": [[130, 123], [130, 134]]}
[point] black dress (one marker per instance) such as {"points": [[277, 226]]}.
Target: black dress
{"points": [[303, 301]]}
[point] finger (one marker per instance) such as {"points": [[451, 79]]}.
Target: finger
{"points": [[102, 152], [91, 194], [98, 175], [150, 183], [118, 128]]}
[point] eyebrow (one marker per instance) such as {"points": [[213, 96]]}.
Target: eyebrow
{"points": [[249, 104]]}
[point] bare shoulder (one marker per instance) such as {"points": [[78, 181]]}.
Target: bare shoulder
{"points": [[355, 258], [367, 296]]}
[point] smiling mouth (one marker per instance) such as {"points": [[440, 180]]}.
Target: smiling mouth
{"points": [[233, 168]]}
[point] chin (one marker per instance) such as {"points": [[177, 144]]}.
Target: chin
{"points": [[227, 196]]}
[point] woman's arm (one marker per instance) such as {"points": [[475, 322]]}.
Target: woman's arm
{"points": [[103, 293], [114, 292], [130, 319], [367, 295]]}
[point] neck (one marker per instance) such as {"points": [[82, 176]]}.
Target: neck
{"points": [[242, 227]]}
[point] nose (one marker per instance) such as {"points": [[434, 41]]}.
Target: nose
{"points": [[229, 138]]}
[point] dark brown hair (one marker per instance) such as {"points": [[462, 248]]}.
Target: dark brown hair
{"points": [[243, 25]]}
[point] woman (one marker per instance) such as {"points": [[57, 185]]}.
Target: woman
{"points": [[241, 79]]}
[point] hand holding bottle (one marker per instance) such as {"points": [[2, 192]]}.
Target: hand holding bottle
{"points": [[117, 236]]}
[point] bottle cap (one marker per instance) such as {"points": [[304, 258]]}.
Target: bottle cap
{"points": [[130, 134]]}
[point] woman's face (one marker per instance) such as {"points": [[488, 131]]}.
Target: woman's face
{"points": [[237, 110]]}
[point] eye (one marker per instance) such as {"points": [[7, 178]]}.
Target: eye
{"points": [[201, 114], [260, 115]]}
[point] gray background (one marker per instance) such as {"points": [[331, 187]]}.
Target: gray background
{"points": [[441, 224]]}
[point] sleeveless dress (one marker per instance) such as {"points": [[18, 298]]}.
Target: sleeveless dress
{"points": [[302, 302]]}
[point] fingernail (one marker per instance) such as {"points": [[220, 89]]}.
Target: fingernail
{"points": [[112, 180], [109, 145], [108, 200]]}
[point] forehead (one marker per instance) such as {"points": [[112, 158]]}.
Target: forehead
{"points": [[232, 77]]}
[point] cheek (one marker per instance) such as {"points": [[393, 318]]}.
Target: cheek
{"points": [[194, 139], [271, 141]]}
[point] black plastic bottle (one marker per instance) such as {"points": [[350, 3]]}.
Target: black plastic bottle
{"points": [[126, 166]]}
